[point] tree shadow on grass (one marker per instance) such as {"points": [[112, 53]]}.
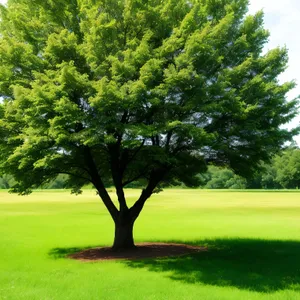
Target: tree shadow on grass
{"points": [[258, 265], [251, 264], [58, 253]]}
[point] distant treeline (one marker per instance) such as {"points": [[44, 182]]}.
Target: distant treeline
{"points": [[283, 172], [60, 182]]}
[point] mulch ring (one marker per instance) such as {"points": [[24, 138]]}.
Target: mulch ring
{"points": [[142, 251]]}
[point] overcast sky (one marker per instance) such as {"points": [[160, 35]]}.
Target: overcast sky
{"points": [[282, 18]]}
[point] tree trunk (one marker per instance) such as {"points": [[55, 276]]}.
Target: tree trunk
{"points": [[123, 235]]}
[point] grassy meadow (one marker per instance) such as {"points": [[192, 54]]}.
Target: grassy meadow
{"points": [[253, 241]]}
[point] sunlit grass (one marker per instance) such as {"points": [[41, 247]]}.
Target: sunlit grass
{"points": [[253, 240]]}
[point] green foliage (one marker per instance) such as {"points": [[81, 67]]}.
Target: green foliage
{"points": [[222, 178], [282, 171], [287, 168], [60, 182], [7, 181], [115, 92], [269, 176]]}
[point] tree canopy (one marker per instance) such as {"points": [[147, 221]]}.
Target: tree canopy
{"points": [[287, 168], [120, 91]]}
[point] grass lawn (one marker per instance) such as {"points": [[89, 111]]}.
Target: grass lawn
{"points": [[253, 240]]}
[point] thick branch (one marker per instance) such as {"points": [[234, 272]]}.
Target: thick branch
{"points": [[157, 140], [117, 175], [98, 183], [125, 160], [135, 153], [155, 178], [169, 136], [142, 173], [153, 141], [124, 117]]}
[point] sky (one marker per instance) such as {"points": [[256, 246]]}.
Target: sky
{"points": [[282, 18]]}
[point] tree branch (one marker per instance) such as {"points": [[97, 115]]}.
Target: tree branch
{"points": [[135, 153], [98, 183], [155, 177], [117, 175], [169, 136], [144, 172]]}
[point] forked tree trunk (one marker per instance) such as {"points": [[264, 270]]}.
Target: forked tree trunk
{"points": [[124, 223], [123, 235]]}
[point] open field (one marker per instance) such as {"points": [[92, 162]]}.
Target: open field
{"points": [[253, 240]]}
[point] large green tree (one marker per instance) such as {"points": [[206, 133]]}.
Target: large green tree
{"points": [[111, 92]]}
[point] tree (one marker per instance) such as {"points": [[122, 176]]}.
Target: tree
{"points": [[268, 176], [60, 182], [287, 168], [283, 171], [6, 181], [114, 92], [222, 178]]}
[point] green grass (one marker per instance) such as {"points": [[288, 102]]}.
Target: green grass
{"points": [[253, 240]]}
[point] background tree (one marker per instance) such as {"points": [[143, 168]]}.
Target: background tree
{"points": [[7, 181], [60, 182], [222, 178], [283, 171], [114, 92], [268, 176], [287, 168]]}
